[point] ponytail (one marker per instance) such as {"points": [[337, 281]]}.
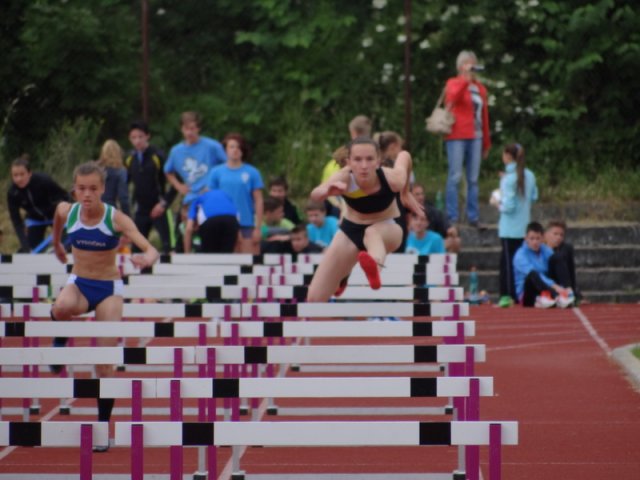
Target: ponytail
{"points": [[517, 153]]}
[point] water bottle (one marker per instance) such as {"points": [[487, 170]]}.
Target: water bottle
{"points": [[439, 201], [473, 286]]}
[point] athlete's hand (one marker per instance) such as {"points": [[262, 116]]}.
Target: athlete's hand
{"points": [[146, 259], [336, 188], [411, 202], [61, 253]]}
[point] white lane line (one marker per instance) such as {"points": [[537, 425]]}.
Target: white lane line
{"points": [[592, 331]]}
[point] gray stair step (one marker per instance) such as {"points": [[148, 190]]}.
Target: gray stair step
{"points": [[572, 212], [589, 279], [578, 235], [488, 258]]}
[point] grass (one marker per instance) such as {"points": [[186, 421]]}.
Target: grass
{"points": [[636, 352]]}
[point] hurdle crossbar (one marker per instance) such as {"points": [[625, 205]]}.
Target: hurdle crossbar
{"points": [[319, 434], [277, 329], [277, 354], [214, 293], [277, 387], [270, 310]]}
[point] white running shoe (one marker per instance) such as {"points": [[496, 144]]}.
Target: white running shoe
{"points": [[565, 301], [544, 300]]}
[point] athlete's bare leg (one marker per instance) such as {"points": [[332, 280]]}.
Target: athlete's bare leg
{"points": [[337, 262]]}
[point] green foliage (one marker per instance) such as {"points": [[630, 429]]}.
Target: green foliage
{"points": [[69, 144], [289, 75]]}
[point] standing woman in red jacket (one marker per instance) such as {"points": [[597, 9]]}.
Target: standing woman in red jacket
{"points": [[469, 140]]}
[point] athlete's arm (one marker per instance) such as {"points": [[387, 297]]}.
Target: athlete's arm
{"points": [[59, 219], [335, 185], [125, 225]]}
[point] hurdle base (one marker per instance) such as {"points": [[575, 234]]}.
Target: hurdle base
{"points": [[273, 410], [121, 368], [457, 475], [34, 410], [295, 368], [240, 475], [448, 410], [200, 476], [64, 410], [244, 410]]}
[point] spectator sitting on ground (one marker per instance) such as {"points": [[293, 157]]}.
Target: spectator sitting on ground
{"points": [[300, 241], [275, 227], [279, 188], [321, 228], [554, 237], [297, 243], [437, 221], [542, 278], [421, 240]]}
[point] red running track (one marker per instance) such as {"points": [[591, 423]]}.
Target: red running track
{"points": [[579, 417]]}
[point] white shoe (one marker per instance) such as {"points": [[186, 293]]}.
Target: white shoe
{"points": [[544, 301], [566, 301]]}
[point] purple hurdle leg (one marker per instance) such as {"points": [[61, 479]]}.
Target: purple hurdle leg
{"points": [[26, 369], [212, 450], [472, 452], [227, 368], [202, 372], [137, 445], [86, 445], [175, 452], [495, 453], [254, 368], [235, 402], [469, 364], [137, 453]]}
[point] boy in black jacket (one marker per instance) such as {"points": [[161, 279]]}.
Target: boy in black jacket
{"points": [[144, 165], [38, 195]]}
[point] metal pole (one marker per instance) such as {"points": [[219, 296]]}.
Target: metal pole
{"points": [[145, 60], [407, 73]]}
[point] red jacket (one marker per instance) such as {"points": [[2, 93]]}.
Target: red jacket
{"points": [[458, 98]]}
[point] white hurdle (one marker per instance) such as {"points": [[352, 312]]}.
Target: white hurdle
{"points": [[238, 355], [186, 329], [279, 387], [58, 434], [269, 310]]}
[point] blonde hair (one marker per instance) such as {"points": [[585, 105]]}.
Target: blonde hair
{"points": [[110, 155], [361, 126]]}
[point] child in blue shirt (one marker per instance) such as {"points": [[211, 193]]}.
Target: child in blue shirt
{"points": [[422, 241], [321, 228]]}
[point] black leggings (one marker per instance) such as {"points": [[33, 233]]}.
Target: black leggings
{"points": [[507, 283], [219, 234]]}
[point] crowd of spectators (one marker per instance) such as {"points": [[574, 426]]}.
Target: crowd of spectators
{"points": [[223, 209]]}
